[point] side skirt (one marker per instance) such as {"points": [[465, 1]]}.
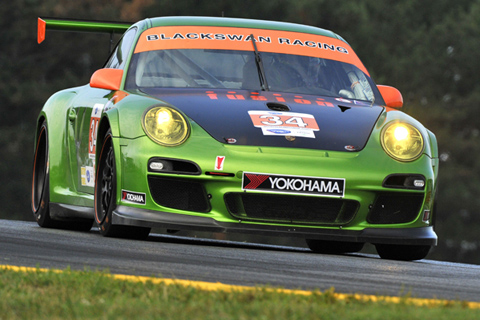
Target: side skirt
{"points": [[59, 211]]}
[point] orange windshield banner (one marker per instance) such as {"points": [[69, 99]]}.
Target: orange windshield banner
{"points": [[231, 38]]}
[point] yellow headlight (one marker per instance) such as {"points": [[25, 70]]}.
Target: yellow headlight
{"points": [[165, 126], [402, 141]]}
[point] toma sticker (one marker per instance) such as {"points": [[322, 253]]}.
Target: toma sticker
{"points": [[133, 197], [334, 187]]}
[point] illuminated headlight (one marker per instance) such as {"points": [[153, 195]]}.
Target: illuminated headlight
{"points": [[165, 126], [402, 141]]}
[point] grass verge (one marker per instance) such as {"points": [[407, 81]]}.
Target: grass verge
{"points": [[50, 294]]}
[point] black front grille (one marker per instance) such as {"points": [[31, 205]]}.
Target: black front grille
{"points": [[395, 208], [290, 208], [179, 194]]}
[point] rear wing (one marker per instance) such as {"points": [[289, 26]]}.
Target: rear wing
{"points": [[79, 26]]}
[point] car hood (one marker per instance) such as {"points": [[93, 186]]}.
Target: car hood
{"points": [[276, 119]]}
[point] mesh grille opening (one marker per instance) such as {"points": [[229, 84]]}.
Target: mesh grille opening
{"points": [[395, 208], [290, 208], [179, 194]]}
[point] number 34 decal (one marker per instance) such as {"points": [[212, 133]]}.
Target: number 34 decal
{"points": [[92, 134], [285, 123]]}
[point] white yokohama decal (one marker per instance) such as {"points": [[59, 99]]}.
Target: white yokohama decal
{"points": [[293, 184]]}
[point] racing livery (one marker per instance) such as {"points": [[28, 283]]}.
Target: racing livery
{"points": [[235, 125]]}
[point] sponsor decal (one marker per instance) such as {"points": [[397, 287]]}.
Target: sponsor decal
{"points": [[265, 182], [284, 123], [233, 95], [279, 131], [247, 38], [92, 134], [87, 176], [234, 38], [183, 34], [219, 162], [133, 197]]}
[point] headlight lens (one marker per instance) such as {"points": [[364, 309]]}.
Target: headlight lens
{"points": [[402, 141], [165, 126]]}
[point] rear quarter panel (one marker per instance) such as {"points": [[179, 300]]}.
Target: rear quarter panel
{"points": [[55, 114]]}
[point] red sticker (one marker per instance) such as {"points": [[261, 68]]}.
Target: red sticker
{"points": [[219, 162], [92, 134]]}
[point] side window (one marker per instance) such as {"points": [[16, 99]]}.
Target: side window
{"points": [[118, 58]]}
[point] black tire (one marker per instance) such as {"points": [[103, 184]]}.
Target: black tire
{"points": [[41, 181], [106, 196], [402, 252], [333, 247], [41, 189]]}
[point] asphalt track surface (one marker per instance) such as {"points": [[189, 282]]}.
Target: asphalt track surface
{"points": [[163, 256]]}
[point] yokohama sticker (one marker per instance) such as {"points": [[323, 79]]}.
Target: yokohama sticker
{"points": [[133, 197], [265, 182]]}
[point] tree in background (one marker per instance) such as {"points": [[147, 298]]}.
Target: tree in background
{"points": [[428, 49]]}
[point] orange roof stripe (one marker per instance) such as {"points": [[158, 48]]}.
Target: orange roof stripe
{"points": [[233, 38]]}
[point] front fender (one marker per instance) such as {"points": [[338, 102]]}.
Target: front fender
{"points": [[434, 152]]}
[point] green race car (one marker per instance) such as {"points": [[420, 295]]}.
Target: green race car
{"points": [[235, 125]]}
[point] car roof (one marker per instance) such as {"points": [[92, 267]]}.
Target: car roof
{"points": [[239, 23]]}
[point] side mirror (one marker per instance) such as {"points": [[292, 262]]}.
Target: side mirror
{"points": [[392, 97], [109, 79]]}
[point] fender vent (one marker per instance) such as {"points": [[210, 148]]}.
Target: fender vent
{"points": [[277, 106]]}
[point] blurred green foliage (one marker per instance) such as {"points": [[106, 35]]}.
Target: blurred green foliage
{"points": [[428, 49]]}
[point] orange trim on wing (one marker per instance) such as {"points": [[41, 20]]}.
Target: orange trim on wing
{"points": [[41, 28], [232, 38]]}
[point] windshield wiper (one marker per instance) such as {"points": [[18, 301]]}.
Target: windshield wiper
{"points": [[261, 71]]}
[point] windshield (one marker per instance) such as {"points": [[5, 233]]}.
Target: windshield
{"points": [[220, 57], [200, 68]]}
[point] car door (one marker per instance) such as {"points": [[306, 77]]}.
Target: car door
{"points": [[85, 115]]}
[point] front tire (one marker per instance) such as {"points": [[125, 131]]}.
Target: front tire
{"points": [[402, 252], [106, 195]]}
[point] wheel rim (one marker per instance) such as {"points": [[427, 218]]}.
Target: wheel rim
{"points": [[106, 182]]}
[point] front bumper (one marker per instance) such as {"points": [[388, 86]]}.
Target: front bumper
{"points": [[370, 210], [125, 215]]}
